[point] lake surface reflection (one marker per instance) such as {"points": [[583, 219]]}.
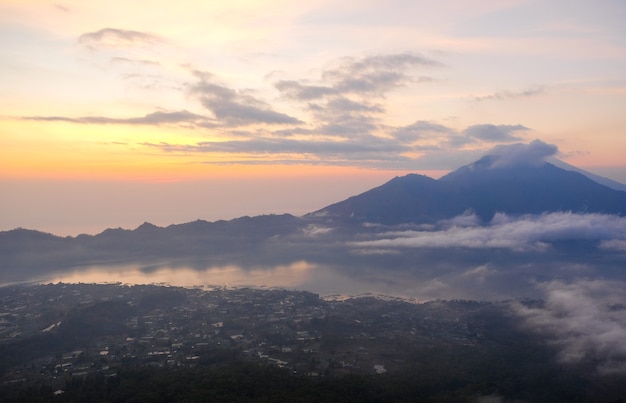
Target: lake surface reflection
{"points": [[300, 275]]}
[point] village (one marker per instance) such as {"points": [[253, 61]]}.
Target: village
{"points": [[55, 332]]}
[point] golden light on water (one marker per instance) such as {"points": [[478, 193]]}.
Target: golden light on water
{"points": [[293, 275]]}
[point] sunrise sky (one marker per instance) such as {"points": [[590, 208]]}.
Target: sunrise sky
{"points": [[115, 113]]}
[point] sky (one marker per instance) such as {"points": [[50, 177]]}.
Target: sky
{"points": [[115, 113]]}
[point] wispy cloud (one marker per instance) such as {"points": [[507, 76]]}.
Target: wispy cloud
{"points": [[348, 98], [376, 75], [235, 108], [371, 75], [506, 94], [420, 130], [62, 8], [366, 150], [495, 133], [614, 244], [337, 118], [347, 142], [115, 37], [295, 90], [126, 60], [154, 118]]}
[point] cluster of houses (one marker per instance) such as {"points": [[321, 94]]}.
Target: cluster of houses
{"points": [[177, 327]]}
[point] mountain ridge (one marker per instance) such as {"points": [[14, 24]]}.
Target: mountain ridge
{"points": [[417, 198], [417, 238], [483, 188]]}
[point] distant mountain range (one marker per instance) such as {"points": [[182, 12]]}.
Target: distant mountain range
{"points": [[336, 236], [483, 188]]}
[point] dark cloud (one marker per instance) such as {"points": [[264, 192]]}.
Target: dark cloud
{"points": [[495, 133], [235, 108], [155, 118], [502, 95], [532, 154], [585, 319], [114, 37]]}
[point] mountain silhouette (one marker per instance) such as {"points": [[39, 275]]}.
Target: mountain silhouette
{"points": [[484, 187], [327, 236]]}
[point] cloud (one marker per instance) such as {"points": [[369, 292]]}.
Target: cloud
{"points": [[115, 37], [325, 151], [465, 220], [585, 319], [314, 231], [154, 118], [614, 244], [502, 95], [443, 156], [294, 90], [375, 74], [478, 274], [341, 100], [342, 119], [347, 126], [235, 108], [344, 105], [343, 144], [62, 8], [495, 133], [532, 154], [526, 233], [371, 75], [420, 130], [134, 61]]}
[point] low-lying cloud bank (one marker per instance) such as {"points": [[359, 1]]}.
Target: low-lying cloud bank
{"points": [[585, 319], [524, 233]]}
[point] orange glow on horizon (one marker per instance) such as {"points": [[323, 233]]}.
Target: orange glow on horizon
{"points": [[69, 151]]}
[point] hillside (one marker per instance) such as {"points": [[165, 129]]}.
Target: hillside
{"points": [[481, 188]]}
